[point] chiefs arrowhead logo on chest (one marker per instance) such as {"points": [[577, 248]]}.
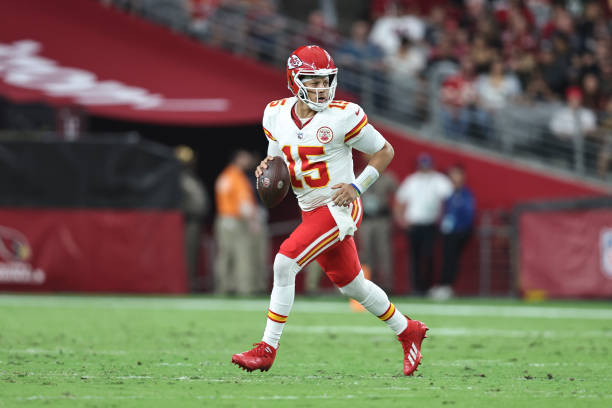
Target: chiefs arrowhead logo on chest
{"points": [[325, 134]]}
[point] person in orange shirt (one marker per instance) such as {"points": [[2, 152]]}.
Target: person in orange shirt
{"points": [[235, 224]]}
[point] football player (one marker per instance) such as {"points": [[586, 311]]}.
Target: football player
{"points": [[314, 135]]}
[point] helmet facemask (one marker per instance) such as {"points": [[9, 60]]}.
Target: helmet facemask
{"points": [[302, 93]]}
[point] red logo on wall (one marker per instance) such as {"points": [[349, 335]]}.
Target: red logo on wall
{"points": [[15, 253]]}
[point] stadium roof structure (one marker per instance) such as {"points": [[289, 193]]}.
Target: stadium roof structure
{"points": [[74, 52]]}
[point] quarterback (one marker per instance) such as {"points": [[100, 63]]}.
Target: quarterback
{"points": [[314, 135]]}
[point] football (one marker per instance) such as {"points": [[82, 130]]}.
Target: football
{"points": [[273, 184]]}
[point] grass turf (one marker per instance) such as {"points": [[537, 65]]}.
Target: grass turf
{"points": [[176, 352]]}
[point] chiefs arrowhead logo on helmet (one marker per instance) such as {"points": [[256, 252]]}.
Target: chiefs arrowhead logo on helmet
{"points": [[294, 61]]}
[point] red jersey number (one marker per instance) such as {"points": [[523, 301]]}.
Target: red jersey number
{"points": [[304, 152]]}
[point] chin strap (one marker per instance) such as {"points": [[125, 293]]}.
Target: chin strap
{"points": [[318, 107], [302, 94]]}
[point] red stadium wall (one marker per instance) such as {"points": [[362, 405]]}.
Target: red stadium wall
{"points": [[566, 253], [91, 251], [94, 215]]}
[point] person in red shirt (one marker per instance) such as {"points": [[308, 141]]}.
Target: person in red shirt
{"points": [[458, 95]]}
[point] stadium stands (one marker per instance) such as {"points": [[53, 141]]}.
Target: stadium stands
{"points": [[397, 58]]}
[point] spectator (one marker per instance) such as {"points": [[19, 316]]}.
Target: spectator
{"points": [[398, 22], [435, 25], [541, 11], [200, 12], [572, 124], [407, 63], [456, 227], [358, 49], [573, 120], [228, 25], [517, 37], [442, 52], [195, 206], [537, 89], [474, 12], [496, 90], [587, 25], [458, 96], [593, 97], [418, 206], [461, 43], [235, 224], [482, 54], [318, 32], [554, 69], [404, 68], [524, 65], [561, 23], [374, 235], [358, 56], [489, 30], [266, 27]]}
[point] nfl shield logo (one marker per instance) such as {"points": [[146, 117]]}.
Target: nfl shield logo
{"points": [[605, 245]]}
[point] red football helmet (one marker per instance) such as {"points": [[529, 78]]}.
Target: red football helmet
{"points": [[311, 60]]}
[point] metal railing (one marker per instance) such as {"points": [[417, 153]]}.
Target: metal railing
{"points": [[495, 236]]}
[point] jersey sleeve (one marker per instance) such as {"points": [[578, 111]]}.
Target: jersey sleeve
{"points": [[266, 123], [360, 134], [273, 147]]}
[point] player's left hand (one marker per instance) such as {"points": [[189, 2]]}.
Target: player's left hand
{"points": [[344, 195]]}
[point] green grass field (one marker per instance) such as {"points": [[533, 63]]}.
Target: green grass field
{"points": [[175, 352]]}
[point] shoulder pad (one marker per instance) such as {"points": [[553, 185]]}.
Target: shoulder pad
{"points": [[278, 102]]}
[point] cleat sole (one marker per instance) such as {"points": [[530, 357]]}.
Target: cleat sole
{"points": [[247, 369]]}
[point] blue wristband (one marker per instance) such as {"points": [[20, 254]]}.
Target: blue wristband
{"points": [[355, 187]]}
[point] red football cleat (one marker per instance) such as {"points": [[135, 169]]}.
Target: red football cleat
{"points": [[411, 339], [260, 357]]}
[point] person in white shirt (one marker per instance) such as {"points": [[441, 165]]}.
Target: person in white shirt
{"points": [[398, 22], [571, 124], [573, 120], [495, 90], [418, 207]]}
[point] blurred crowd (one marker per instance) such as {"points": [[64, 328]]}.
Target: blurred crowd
{"points": [[487, 56]]}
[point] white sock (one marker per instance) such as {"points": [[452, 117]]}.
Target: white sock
{"points": [[397, 322], [375, 301], [281, 301]]}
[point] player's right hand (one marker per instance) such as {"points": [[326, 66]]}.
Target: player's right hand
{"points": [[263, 165]]}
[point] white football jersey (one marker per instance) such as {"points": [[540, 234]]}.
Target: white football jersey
{"points": [[318, 152]]}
